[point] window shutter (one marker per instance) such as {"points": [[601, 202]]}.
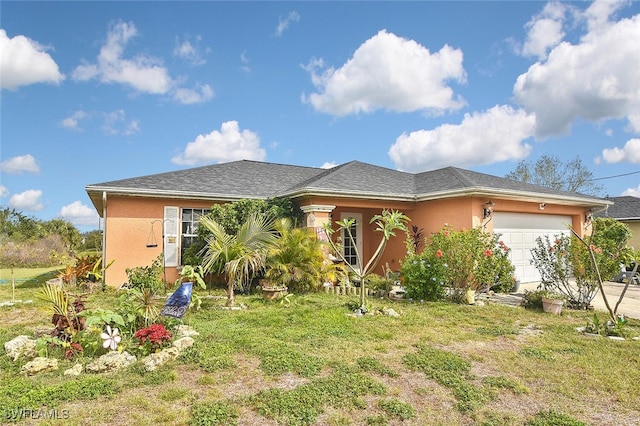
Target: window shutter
{"points": [[171, 222]]}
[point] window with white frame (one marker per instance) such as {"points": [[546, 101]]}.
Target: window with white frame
{"points": [[350, 249], [189, 228]]}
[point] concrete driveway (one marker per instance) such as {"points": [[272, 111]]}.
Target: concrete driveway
{"points": [[629, 307]]}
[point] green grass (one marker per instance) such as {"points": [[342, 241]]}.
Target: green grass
{"points": [[310, 362]]}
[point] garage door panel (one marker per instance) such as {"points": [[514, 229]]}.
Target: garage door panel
{"points": [[529, 238], [520, 232]]}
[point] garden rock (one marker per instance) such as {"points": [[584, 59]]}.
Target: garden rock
{"points": [[183, 343], [186, 331], [157, 359], [55, 282], [39, 365], [390, 312], [112, 361], [21, 346], [74, 371]]}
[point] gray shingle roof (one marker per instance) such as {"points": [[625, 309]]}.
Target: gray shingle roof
{"points": [[238, 179], [453, 178], [254, 179], [623, 208]]}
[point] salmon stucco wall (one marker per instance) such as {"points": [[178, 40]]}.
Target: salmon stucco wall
{"points": [[128, 227], [129, 224]]}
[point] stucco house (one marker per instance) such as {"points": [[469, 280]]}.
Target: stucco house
{"points": [[165, 207], [626, 210]]}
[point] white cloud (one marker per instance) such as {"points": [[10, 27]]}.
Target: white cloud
{"points": [[228, 144], [79, 214], [634, 192], [544, 30], [284, 23], [200, 94], [388, 72], [115, 123], [329, 165], [244, 60], [191, 52], [630, 153], [24, 62], [71, 122], [28, 200], [143, 73], [598, 13], [482, 138], [4, 191], [595, 79], [17, 165]]}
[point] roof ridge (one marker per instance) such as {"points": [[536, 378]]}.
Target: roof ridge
{"points": [[460, 175], [322, 175]]}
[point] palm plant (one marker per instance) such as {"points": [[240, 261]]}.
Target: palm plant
{"points": [[295, 260], [386, 223], [239, 256]]}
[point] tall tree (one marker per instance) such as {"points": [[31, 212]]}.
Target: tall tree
{"points": [[551, 172], [18, 227], [66, 230]]}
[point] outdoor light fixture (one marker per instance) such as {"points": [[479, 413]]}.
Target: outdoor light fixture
{"points": [[588, 217], [488, 209]]}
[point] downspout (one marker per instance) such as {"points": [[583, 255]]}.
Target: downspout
{"points": [[104, 239]]}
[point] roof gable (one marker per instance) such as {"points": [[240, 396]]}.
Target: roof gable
{"points": [[359, 178], [453, 178]]}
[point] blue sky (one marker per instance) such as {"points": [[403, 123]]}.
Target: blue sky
{"points": [[100, 91]]}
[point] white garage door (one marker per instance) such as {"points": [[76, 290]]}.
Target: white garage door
{"points": [[519, 232]]}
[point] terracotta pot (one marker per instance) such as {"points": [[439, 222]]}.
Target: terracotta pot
{"points": [[272, 293], [553, 306]]}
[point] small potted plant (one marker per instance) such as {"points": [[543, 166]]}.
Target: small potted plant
{"points": [[552, 302], [271, 291]]}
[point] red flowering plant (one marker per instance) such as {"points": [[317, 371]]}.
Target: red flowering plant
{"points": [[153, 338], [458, 260]]}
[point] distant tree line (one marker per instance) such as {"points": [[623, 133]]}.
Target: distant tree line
{"points": [[29, 242]]}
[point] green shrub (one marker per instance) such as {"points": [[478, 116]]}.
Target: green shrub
{"points": [[461, 260], [533, 299], [146, 277], [378, 282]]}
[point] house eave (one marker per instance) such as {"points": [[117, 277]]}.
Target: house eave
{"points": [[95, 194], [351, 194], [528, 196]]}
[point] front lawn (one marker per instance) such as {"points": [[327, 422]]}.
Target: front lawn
{"points": [[310, 362]]}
